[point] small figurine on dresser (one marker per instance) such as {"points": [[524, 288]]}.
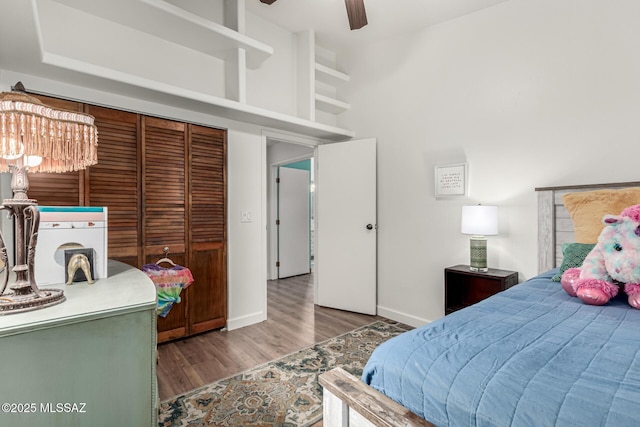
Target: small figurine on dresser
{"points": [[80, 262], [169, 282]]}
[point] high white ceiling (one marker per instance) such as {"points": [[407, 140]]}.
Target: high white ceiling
{"points": [[386, 18]]}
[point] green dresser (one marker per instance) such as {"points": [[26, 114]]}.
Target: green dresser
{"points": [[89, 361]]}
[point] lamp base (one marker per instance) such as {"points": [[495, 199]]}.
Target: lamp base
{"points": [[18, 302], [25, 296], [478, 251]]}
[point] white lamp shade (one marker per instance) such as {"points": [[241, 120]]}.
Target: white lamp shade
{"points": [[480, 220]]}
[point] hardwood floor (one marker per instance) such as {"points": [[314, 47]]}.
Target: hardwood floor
{"points": [[294, 322]]}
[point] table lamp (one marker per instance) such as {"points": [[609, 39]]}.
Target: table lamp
{"points": [[479, 221], [35, 137]]}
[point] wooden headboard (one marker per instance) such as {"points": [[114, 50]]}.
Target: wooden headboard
{"points": [[554, 224]]}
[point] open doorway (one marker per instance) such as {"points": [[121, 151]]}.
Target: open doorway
{"points": [[296, 161], [345, 232], [294, 220]]}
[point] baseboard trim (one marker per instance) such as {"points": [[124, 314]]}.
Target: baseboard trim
{"points": [[250, 319], [398, 316], [402, 317]]}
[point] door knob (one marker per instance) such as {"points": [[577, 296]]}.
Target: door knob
{"points": [[369, 226]]}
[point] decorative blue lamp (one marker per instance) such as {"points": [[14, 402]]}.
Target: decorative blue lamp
{"points": [[479, 221]]}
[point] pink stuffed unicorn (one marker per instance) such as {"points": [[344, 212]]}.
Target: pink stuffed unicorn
{"points": [[613, 262]]}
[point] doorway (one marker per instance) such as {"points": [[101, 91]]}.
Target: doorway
{"points": [[295, 155], [294, 221], [344, 206]]}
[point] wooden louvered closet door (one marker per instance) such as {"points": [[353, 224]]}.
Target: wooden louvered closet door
{"points": [[114, 181], [208, 257], [164, 184], [164, 199]]}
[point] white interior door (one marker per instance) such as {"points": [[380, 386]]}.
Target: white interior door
{"points": [[294, 225], [345, 262]]}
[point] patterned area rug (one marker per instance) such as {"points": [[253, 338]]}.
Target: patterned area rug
{"points": [[283, 392]]}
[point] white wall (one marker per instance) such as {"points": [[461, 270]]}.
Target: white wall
{"points": [[529, 93], [246, 187], [273, 85]]}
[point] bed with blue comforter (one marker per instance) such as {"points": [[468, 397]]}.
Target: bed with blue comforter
{"points": [[529, 356]]}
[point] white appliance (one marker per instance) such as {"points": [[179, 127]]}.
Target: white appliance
{"points": [[63, 228]]}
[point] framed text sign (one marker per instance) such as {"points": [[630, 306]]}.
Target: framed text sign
{"points": [[451, 180]]}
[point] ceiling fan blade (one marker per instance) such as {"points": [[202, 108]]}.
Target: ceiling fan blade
{"points": [[356, 13], [267, 1]]}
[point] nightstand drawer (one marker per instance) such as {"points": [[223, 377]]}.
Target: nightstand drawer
{"points": [[464, 287]]}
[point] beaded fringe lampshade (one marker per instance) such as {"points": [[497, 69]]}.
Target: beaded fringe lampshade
{"points": [[35, 137], [479, 221]]}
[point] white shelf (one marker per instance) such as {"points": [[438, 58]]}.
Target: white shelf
{"points": [[331, 105], [177, 25], [330, 76]]}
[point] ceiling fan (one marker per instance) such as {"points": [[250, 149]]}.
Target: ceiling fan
{"points": [[355, 11]]}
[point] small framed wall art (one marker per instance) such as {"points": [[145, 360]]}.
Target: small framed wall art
{"points": [[451, 180]]}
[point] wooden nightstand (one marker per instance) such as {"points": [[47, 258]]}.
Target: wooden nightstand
{"points": [[463, 287]]}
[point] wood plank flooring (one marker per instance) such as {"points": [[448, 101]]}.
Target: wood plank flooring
{"points": [[293, 322]]}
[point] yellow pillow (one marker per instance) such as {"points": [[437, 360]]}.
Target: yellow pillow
{"points": [[587, 208]]}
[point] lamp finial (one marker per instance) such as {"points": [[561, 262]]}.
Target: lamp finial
{"points": [[19, 87]]}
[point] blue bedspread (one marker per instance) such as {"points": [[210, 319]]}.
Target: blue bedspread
{"points": [[528, 356]]}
